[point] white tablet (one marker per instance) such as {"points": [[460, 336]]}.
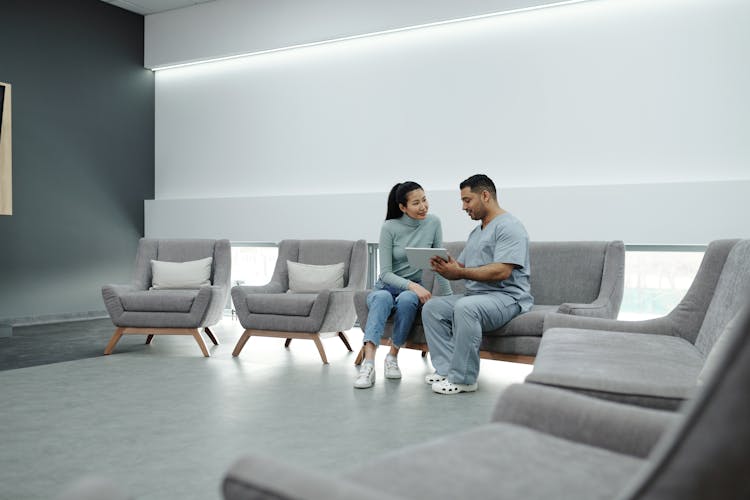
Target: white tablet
{"points": [[420, 257]]}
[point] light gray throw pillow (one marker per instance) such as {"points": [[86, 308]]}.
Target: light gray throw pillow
{"points": [[190, 274], [309, 278]]}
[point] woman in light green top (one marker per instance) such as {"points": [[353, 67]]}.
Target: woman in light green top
{"points": [[399, 289]]}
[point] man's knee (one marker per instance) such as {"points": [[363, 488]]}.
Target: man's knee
{"points": [[466, 309]]}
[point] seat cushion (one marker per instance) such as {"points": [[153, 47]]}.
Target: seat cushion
{"points": [[283, 304], [473, 464], [159, 300], [526, 324], [650, 370]]}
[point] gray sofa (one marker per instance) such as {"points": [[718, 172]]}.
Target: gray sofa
{"points": [[549, 443], [581, 278], [654, 363]]}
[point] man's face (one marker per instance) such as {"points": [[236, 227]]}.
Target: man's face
{"points": [[473, 204]]}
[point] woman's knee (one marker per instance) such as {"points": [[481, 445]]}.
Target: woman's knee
{"points": [[380, 298], [408, 300]]}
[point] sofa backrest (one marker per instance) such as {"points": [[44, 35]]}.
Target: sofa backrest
{"points": [[730, 294], [561, 271], [324, 252]]}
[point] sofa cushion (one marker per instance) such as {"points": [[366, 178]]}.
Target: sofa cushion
{"points": [[526, 324], [650, 370], [474, 463], [180, 301], [297, 304]]}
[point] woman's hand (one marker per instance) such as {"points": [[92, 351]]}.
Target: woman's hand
{"points": [[421, 292]]}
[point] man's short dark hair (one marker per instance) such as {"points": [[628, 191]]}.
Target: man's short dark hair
{"points": [[478, 183]]}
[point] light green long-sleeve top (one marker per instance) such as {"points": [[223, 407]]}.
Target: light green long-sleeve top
{"points": [[395, 236]]}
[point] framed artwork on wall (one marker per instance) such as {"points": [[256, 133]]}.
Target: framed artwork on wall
{"points": [[6, 179]]}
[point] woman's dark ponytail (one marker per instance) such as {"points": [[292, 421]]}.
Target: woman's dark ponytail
{"points": [[398, 196]]}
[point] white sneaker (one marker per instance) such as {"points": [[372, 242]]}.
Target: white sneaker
{"points": [[391, 367], [366, 376], [445, 387], [431, 379]]}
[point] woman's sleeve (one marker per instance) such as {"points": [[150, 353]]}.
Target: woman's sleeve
{"points": [[385, 252], [444, 285]]}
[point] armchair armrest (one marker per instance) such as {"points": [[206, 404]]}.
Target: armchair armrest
{"points": [[658, 326], [261, 478], [111, 295], [272, 287], [618, 427]]}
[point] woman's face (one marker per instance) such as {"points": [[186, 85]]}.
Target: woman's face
{"points": [[416, 204]]}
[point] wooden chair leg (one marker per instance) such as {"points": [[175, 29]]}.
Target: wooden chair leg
{"points": [[201, 344], [113, 341], [345, 340], [241, 343], [288, 341], [360, 357], [322, 351], [149, 338], [211, 335]]}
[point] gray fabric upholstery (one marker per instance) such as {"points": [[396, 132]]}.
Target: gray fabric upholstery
{"points": [[651, 370], [269, 307], [135, 305], [546, 443], [654, 362], [581, 278], [616, 427]]}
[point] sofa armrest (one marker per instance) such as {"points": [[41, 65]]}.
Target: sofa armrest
{"points": [[614, 426], [600, 308], [265, 479], [658, 326]]}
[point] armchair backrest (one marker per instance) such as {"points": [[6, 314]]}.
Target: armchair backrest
{"points": [[732, 290], [323, 252], [688, 316], [183, 250], [564, 271], [705, 456]]}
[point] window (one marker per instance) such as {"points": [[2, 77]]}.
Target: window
{"points": [[657, 278], [253, 263]]}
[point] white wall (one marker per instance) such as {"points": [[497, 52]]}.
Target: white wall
{"points": [[644, 101]]}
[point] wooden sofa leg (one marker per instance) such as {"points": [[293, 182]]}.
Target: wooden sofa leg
{"points": [[288, 341], [322, 351], [113, 341], [424, 354], [201, 344], [345, 340], [241, 343], [211, 335], [149, 338], [360, 357]]}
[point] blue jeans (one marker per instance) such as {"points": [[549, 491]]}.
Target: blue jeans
{"points": [[383, 301]]}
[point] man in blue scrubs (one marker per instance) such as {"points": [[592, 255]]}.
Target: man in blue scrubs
{"points": [[495, 266]]}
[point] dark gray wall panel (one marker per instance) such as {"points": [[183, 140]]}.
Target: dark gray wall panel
{"points": [[83, 153]]}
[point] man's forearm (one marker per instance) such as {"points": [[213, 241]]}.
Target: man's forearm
{"points": [[491, 272]]}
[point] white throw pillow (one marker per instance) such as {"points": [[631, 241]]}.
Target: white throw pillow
{"points": [[191, 274], [308, 278]]}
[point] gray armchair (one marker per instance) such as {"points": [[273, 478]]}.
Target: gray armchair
{"points": [[269, 311], [657, 362], [581, 278], [549, 443], [136, 309]]}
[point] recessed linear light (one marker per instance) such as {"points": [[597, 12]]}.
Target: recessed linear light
{"points": [[366, 35]]}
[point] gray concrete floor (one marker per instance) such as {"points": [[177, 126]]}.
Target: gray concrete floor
{"points": [[164, 422]]}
